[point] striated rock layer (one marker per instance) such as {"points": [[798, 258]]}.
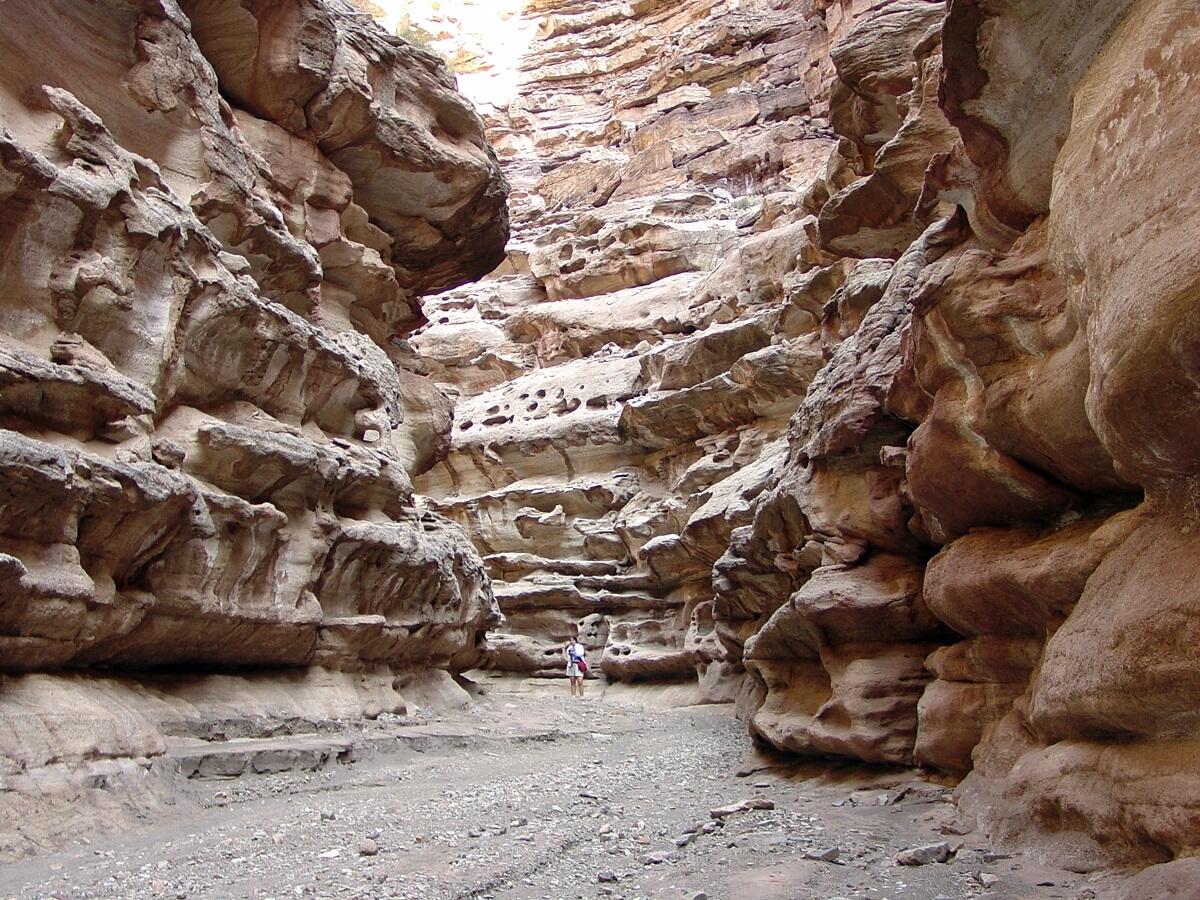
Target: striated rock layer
{"points": [[215, 218], [846, 355], [622, 385]]}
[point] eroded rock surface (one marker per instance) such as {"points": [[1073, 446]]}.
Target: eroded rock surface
{"points": [[215, 218], [843, 364], [622, 386], [845, 354]]}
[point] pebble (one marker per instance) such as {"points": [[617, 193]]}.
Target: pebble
{"points": [[730, 809], [829, 855], [368, 847], [920, 856]]}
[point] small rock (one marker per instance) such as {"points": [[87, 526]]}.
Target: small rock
{"points": [[829, 855], [656, 858], [368, 847], [698, 895], [730, 809], [920, 856], [607, 878], [987, 879], [330, 854]]}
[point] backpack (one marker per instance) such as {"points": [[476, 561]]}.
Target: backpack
{"points": [[579, 661]]}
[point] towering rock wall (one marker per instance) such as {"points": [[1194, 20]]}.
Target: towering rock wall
{"points": [[846, 353], [215, 218], [995, 464], [623, 385]]}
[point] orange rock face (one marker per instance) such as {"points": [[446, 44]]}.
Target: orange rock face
{"points": [[967, 548]]}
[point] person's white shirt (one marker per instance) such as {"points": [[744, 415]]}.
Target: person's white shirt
{"points": [[575, 650]]}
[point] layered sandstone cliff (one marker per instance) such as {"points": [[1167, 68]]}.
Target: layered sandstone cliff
{"points": [[845, 355], [843, 363], [215, 218], [623, 385]]}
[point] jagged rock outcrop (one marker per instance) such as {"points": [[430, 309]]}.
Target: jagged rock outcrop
{"points": [[215, 218], [623, 384], [942, 242]]}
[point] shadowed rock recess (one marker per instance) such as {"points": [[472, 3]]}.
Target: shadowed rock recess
{"points": [[844, 363]]}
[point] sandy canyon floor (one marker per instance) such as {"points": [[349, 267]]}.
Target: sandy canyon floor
{"points": [[532, 795]]}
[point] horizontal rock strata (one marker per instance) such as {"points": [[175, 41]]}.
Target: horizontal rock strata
{"points": [[215, 219]]}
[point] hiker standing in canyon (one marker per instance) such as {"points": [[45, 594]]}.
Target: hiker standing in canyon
{"points": [[576, 655]]}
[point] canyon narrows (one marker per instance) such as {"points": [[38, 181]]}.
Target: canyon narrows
{"points": [[835, 359]]}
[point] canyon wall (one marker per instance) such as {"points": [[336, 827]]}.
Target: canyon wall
{"points": [[215, 220], [843, 364], [846, 356]]}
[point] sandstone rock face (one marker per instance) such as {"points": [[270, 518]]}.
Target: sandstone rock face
{"points": [[215, 218], [846, 354], [843, 364], [622, 386]]}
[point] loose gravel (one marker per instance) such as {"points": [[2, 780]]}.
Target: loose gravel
{"points": [[534, 795]]}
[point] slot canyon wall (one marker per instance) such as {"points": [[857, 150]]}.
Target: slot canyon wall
{"points": [[215, 218], [845, 362]]}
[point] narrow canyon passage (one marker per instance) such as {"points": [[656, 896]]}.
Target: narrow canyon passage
{"points": [[829, 369], [533, 795]]}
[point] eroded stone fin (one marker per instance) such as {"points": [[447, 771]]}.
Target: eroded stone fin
{"points": [[208, 425]]}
